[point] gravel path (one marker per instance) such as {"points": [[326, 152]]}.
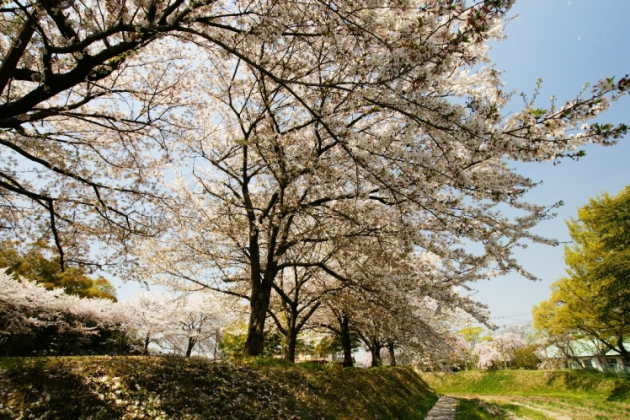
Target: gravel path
{"points": [[444, 409]]}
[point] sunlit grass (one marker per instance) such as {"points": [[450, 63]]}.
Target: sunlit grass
{"points": [[562, 384], [476, 409], [539, 395]]}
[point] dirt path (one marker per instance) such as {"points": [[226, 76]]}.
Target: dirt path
{"points": [[444, 409]]}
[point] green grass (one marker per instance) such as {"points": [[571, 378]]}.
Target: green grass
{"points": [[562, 384], [523, 412], [173, 388], [475, 409], [539, 395]]}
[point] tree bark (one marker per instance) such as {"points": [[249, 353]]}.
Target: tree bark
{"points": [[289, 348], [392, 355], [622, 350], [346, 341], [147, 340], [16, 51], [9, 346], [376, 355], [191, 344], [259, 303]]}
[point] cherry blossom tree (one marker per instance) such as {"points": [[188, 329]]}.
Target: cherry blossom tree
{"points": [[150, 317], [498, 351], [406, 305], [28, 308], [298, 295], [86, 120], [196, 324], [326, 122], [178, 324]]}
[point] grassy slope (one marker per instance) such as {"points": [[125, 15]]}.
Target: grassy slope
{"points": [[141, 387], [563, 384], [537, 395]]}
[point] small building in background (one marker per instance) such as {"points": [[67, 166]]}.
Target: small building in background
{"points": [[585, 354]]}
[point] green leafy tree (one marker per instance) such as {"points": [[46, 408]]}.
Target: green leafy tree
{"points": [[34, 266], [526, 357], [594, 299]]}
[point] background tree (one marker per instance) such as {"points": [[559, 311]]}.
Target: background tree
{"points": [[500, 351], [35, 266], [592, 301], [37, 321], [150, 316], [471, 337], [196, 322]]}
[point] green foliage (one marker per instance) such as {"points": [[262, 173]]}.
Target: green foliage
{"points": [[594, 299], [474, 335], [34, 266], [526, 358], [232, 343], [522, 412], [164, 388], [332, 345]]}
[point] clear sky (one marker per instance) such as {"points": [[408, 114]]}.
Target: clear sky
{"points": [[567, 43]]}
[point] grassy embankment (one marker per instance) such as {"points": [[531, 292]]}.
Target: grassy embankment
{"points": [[171, 388], [537, 394]]}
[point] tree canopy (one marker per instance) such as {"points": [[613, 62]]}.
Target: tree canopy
{"points": [[35, 266], [594, 299], [228, 145]]}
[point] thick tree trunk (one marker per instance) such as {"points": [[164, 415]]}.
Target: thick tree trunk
{"points": [[376, 355], [259, 303], [346, 341], [9, 346], [191, 345], [289, 348], [392, 354]]}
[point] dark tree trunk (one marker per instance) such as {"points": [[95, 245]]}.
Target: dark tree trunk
{"points": [[289, 347], [147, 340], [346, 341], [259, 303], [191, 344], [9, 346], [122, 342], [376, 354], [392, 355], [622, 350]]}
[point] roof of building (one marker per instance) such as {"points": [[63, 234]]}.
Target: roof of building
{"points": [[581, 348]]}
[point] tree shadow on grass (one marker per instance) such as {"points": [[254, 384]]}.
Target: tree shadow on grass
{"points": [[40, 390], [621, 393]]}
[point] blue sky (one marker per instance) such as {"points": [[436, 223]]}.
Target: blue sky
{"points": [[567, 43]]}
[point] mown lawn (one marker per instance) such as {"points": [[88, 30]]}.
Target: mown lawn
{"points": [[537, 395], [174, 388]]}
